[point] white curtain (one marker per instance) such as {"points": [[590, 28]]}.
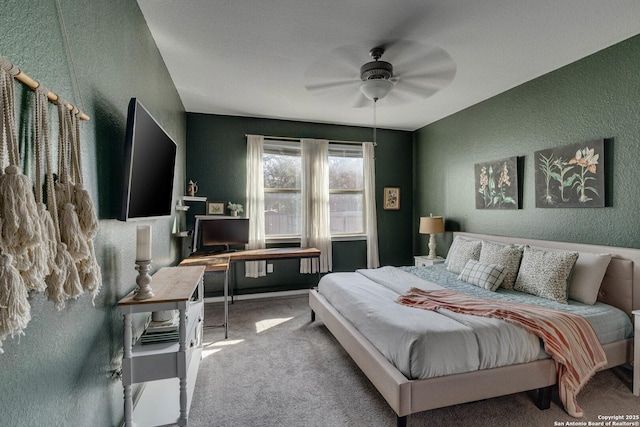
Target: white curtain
{"points": [[255, 203], [373, 260], [316, 229]]}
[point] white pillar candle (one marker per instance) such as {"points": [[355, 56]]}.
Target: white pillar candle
{"points": [[143, 243]]}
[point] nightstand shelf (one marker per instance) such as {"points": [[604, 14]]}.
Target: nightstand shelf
{"points": [[424, 261]]}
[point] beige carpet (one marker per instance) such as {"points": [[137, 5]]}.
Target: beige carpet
{"points": [[277, 368]]}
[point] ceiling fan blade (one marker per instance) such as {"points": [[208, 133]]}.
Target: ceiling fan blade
{"points": [[401, 24], [340, 64], [361, 101], [316, 87], [416, 91], [398, 49], [429, 78], [349, 57], [396, 97], [423, 58], [335, 77]]}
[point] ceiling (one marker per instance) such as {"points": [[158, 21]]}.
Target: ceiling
{"points": [[256, 58]]}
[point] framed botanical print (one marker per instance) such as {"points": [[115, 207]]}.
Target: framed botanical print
{"points": [[497, 184], [572, 176], [215, 208], [391, 198]]}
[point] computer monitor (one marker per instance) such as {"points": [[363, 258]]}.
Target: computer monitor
{"points": [[213, 233]]}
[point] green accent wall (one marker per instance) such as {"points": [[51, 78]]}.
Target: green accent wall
{"points": [[216, 160], [59, 373], [594, 98]]}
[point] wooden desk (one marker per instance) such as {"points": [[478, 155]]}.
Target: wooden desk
{"points": [[214, 264], [274, 253], [220, 263], [271, 254]]}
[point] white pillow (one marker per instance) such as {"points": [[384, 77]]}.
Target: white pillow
{"points": [[545, 273], [461, 251], [587, 276], [486, 276]]}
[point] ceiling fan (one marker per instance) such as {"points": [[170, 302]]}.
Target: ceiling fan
{"points": [[418, 72]]}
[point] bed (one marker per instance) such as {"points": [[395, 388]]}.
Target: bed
{"points": [[620, 287]]}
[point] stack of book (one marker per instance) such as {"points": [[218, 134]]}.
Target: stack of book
{"points": [[162, 331]]}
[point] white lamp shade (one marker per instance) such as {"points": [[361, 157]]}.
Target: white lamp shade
{"points": [[431, 225], [376, 89]]}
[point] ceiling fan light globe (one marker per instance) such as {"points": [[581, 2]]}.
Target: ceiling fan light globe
{"points": [[376, 89]]}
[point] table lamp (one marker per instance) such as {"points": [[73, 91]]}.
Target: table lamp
{"points": [[432, 225]]}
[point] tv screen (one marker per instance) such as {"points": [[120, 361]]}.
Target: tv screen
{"points": [[149, 162], [213, 232]]}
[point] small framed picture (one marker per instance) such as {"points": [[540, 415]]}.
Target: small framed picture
{"points": [[391, 198], [215, 208]]}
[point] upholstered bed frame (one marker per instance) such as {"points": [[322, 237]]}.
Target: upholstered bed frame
{"points": [[620, 288]]}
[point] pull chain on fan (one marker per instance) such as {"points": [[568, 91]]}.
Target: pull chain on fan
{"points": [[375, 140]]}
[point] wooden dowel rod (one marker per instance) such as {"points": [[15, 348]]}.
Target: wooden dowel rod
{"points": [[33, 84]]}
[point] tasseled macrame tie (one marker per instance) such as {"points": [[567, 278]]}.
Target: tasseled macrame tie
{"points": [[21, 252], [20, 224], [15, 311], [78, 218], [87, 216], [41, 127], [20, 229], [71, 234]]}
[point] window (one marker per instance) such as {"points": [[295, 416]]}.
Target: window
{"points": [[282, 188]]}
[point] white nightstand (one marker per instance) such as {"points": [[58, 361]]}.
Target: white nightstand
{"points": [[636, 353], [423, 261]]}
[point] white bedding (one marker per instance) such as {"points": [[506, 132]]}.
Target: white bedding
{"points": [[421, 343]]}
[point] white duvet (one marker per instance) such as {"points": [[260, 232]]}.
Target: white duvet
{"points": [[422, 343]]}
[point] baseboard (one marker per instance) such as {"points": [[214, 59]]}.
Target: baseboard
{"points": [[260, 295]]}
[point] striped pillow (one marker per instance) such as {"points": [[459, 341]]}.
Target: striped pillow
{"points": [[486, 276]]}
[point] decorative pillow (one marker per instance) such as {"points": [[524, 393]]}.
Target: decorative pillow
{"points": [[486, 276], [545, 273], [461, 251], [587, 275], [508, 256]]}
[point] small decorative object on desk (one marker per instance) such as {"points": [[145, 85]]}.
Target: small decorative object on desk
{"points": [[192, 188], [143, 262], [235, 208]]}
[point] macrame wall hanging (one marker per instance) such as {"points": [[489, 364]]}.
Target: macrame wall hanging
{"points": [[46, 244]]}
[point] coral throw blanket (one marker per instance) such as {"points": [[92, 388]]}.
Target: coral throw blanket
{"points": [[568, 338]]}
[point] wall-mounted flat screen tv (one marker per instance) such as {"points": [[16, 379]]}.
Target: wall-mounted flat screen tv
{"points": [[149, 167]]}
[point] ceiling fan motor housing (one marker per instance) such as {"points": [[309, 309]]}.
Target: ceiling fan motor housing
{"points": [[376, 70]]}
